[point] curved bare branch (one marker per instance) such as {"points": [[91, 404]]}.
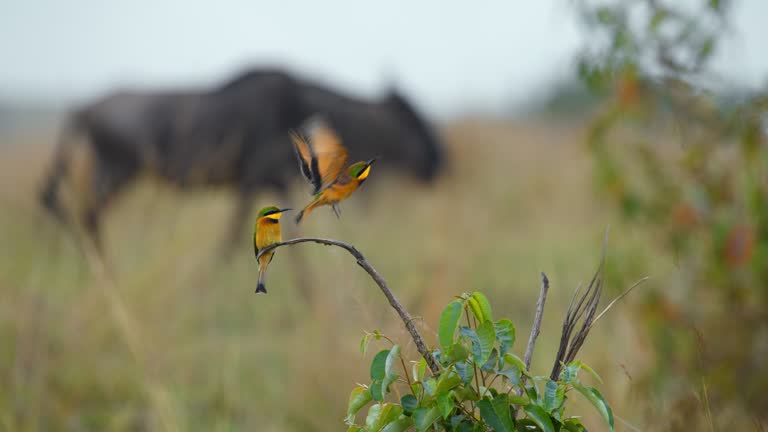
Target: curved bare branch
{"points": [[362, 262]]}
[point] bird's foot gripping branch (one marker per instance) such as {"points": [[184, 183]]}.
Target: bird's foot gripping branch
{"points": [[473, 381]]}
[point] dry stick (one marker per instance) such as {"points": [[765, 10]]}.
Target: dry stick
{"points": [[536, 327], [361, 261]]}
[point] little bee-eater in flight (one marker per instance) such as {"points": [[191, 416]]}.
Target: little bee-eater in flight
{"points": [[266, 232], [323, 161]]}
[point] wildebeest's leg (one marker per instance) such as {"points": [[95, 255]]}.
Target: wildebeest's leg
{"points": [[50, 193], [107, 180]]}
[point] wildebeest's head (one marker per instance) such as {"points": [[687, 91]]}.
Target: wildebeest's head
{"points": [[422, 149]]}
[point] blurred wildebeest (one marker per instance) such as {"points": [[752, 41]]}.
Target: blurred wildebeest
{"points": [[234, 135]]}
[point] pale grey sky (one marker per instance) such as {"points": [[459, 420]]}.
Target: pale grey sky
{"points": [[452, 56]]}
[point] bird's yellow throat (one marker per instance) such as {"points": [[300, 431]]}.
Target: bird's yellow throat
{"points": [[363, 175], [275, 216]]}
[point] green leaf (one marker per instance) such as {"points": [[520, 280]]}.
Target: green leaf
{"points": [[445, 404], [448, 381], [466, 373], [467, 426], [449, 320], [457, 353], [470, 334], [490, 364], [409, 404], [591, 371], [597, 399], [550, 390], [374, 413], [554, 396], [354, 428], [485, 306], [399, 425], [419, 369], [465, 393], [377, 391], [496, 413], [430, 386], [487, 336], [521, 400], [389, 367], [477, 311], [378, 365], [364, 343], [517, 362], [540, 417], [389, 414], [505, 334], [569, 373], [512, 374], [573, 425], [380, 415], [359, 397], [532, 392], [423, 418], [392, 358]]}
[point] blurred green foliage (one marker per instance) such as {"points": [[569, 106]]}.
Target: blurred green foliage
{"points": [[690, 166]]}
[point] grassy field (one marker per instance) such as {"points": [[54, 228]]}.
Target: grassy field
{"points": [[173, 338]]}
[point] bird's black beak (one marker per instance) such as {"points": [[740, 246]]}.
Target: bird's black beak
{"points": [[371, 161], [284, 210]]}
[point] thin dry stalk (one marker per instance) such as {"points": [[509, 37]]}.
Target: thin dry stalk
{"points": [[583, 310]]}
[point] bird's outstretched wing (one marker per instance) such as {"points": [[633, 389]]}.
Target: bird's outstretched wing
{"points": [[322, 157]]}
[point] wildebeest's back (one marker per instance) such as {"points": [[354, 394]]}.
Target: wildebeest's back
{"points": [[236, 134], [136, 127]]}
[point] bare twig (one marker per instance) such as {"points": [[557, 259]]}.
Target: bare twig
{"points": [[536, 329], [361, 261]]}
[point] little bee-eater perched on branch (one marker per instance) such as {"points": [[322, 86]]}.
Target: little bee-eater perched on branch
{"points": [[323, 161], [266, 232]]}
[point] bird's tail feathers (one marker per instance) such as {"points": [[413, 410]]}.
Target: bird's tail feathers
{"points": [[260, 288], [308, 209]]}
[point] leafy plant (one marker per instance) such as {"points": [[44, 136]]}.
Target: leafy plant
{"points": [[481, 384]]}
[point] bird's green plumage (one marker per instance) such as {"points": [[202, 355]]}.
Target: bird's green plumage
{"points": [[268, 210], [356, 168]]}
